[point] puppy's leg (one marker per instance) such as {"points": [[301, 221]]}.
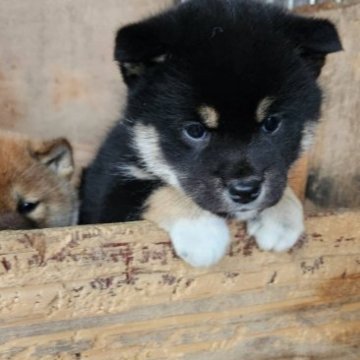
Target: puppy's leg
{"points": [[199, 237], [278, 227]]}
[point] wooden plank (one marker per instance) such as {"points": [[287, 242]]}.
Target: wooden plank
{"points": [[118, 292]]}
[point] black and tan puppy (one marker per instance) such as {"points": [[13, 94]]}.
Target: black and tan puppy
{"points": [[222, 100]]}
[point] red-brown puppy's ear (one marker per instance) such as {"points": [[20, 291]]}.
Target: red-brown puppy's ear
{"points": [[56, 154]]}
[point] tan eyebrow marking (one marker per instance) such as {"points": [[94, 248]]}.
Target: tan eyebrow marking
{"points": [[263, 107], [210, 116], [134, 68]]}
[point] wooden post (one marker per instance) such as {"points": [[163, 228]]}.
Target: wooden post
{"points": [[334, 164]]}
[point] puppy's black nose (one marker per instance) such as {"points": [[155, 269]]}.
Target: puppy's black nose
{"points": [[244, 191]]}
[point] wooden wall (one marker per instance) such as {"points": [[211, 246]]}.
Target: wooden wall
{"points": [[57, 74], [335, 159]]}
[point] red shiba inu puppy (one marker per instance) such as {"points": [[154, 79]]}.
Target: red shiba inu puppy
{"points": [[35, 187]]}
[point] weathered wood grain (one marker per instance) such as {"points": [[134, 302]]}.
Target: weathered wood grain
{"points": [[118, 292]]}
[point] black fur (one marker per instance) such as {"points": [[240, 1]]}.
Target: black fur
{"points": [[225, 54], [106, 195]]}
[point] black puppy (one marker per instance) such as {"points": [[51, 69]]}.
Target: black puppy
{"points": [[222, 99]]}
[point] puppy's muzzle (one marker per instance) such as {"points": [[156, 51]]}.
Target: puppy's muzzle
{"points": [[245, 190]]}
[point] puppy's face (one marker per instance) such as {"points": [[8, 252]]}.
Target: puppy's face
{"points": [[223, 97], [35, 186]]}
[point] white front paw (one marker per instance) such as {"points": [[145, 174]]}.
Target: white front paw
{"points": [[279, 227], [202, 241]]}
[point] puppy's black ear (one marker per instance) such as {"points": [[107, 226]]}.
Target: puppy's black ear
{"points": [[315, 38], [141, 46]]}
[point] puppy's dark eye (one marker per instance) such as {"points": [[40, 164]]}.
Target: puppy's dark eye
{"points": [[25, 207], [271, 124], [195, 131]]}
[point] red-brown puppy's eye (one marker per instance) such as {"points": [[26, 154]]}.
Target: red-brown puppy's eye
{"points": [[25, 207]]}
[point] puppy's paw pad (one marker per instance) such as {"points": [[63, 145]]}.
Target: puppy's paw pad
{"points": [[200, 242]]}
